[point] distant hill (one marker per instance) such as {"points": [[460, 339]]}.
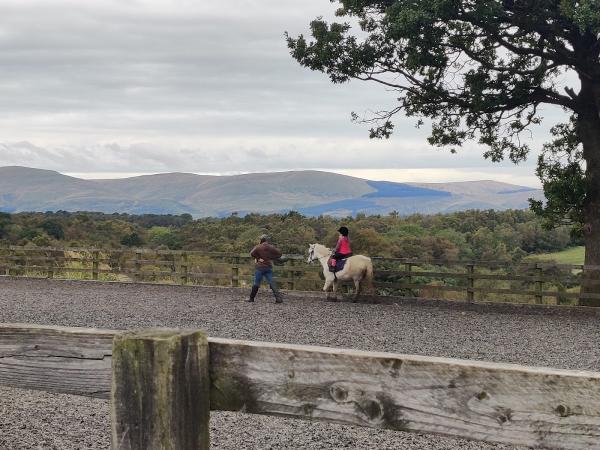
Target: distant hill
{"points": [[309, 192]]}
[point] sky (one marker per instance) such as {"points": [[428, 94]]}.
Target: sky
{"points": [[106, 89]]}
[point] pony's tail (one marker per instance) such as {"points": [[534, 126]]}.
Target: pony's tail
{"points": [[368, 278]]}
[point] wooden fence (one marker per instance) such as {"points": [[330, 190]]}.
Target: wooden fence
{"points": [[163, 384], [469, 281]]}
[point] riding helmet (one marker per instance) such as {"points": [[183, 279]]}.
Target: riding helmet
{"points": [[343, 231]]}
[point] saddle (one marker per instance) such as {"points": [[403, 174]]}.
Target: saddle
{"points": [[336, 265]]}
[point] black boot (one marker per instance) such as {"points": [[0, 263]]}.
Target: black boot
{"points": [[277, 295], [252, 294]]}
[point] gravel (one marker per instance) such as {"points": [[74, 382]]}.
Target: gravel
{"points": [[541, 336]]}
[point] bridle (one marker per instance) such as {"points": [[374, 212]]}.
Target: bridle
{"points": [[311, 256]]}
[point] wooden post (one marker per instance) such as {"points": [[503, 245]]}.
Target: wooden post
{"points": [[291, 275], [13, 263], [470, 282], [538, 285], [409, 277], [25, 264], [235, 272], [138, 266], [184, 268], [51, 267], [175, 274], [160, 391], [9, 261], [95, 257]]}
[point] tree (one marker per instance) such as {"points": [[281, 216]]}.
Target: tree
{"points": [[53, 229], [480, 70], [132, 240], [5, 221]]}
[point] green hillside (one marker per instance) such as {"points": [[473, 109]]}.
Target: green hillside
{"points": [[573, 255]]}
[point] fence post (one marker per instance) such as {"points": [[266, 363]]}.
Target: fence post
{"points": [[160, 391], [235, 272], [95, 257], [138, 266], [409, 267], [538, 284], [291, 275], [184, 268], [26, 263], [470, 282], [9, 262], [51, 266]]}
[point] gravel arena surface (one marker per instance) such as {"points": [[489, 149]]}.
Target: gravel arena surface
{"points": [[539, 336]]}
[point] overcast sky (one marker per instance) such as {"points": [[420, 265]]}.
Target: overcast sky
{"points": [[110, 88]]}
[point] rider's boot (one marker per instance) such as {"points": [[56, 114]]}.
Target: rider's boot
{"points": [[277, 294], [252, 294]]}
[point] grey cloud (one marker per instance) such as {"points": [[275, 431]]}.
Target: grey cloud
{"points": [[142, 86], [197, 68], [220, 156]]}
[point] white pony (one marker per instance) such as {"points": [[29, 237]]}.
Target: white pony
{"points": [[358, 269]]}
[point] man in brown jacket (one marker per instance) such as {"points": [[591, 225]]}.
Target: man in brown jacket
{"points": [[263, 254]]}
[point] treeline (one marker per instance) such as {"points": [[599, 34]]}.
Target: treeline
{"points": [[470, 235]]}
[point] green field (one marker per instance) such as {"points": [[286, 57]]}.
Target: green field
{"points": [[574, 255]]}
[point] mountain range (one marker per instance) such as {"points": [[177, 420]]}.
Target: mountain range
{"points": [[308, 192]]}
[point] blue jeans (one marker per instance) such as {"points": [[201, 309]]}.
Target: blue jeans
{"points": [[264, 272]]}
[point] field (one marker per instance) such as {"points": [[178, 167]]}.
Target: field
{"points": [[529, 335], [573, 255]]}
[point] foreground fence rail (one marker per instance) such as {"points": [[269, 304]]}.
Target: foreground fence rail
{"points": [[163, 383], [530, 282]]}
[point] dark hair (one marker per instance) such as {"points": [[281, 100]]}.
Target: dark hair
{"points": [[343, 231]]}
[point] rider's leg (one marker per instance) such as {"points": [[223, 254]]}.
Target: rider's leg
{"points": [[331, 262]]}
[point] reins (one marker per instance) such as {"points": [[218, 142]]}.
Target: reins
{"points": [[320, 257]]}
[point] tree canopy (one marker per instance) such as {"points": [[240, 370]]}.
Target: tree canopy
{"points": [[466, 236], [480, 70]]}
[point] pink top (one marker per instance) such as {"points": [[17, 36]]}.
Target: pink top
{"points": [[343, 245]]}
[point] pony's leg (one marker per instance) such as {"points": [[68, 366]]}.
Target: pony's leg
{"points": [[357, 286], [326, 287], [334, 289]]}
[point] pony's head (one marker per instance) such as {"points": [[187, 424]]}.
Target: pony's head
{"points": [[316, 251], [311, 253]]}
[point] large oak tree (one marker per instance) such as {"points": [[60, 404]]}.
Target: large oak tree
{"points": [[480, 70]]}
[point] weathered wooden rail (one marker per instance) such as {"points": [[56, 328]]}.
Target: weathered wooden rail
{"points": [[163, 383], [469, 281]]}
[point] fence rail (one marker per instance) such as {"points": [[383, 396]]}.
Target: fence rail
{"points": [[461, 280], [162, 384]]}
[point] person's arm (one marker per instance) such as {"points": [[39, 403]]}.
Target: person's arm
{"points": [[338, 245], [272, 252], [254, 252]]}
